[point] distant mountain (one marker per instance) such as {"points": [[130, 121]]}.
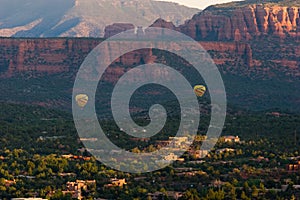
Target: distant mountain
{"points": [[82, 18]]}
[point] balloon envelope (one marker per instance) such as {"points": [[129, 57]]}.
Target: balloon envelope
{"points": [[199, 90], [82, 100]]}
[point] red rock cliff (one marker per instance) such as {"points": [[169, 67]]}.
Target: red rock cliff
{"points": [[54, 56], [42, 55], [243, 23]]}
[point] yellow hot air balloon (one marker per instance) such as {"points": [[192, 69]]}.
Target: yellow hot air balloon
{"points": [[82, 100], [199, 90]]}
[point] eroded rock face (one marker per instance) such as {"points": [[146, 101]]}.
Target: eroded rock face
{"points": [[64, 56], [42, 55], [244, 23], [54, 56]]}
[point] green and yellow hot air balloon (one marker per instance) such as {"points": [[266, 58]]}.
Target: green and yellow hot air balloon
{"points": [[81, 100], [199, 90]]}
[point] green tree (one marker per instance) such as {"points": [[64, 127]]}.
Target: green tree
{"points": [[191, 194], [254, 191], [246, 187], [244, 196]]}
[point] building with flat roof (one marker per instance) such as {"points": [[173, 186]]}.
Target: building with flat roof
{"points": [[76, 188], [231, 139], [116, 182]]}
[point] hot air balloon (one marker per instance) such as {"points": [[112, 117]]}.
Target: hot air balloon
{"points": [[82, 100], [199, 90]]}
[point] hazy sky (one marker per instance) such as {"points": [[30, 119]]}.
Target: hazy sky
{"points": [[199, 3]]}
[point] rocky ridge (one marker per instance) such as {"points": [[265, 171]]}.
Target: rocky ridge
{"points": [[244, 23]]}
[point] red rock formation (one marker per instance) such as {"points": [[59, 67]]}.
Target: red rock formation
{"points": [[235, 48], [66, 55], [42, 55], [161, 23], [54, 56], [116, 28], [243, 23]]}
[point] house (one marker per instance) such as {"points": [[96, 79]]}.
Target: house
{"points": [[72, 186], [225, 150], [174, 142], [198, 154], [293, 167], [76, 194], [8, 183], [69, 156], [76, 188], [85, 158], [231, 139], [116, 182], [173, 157], [74, 157]]}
